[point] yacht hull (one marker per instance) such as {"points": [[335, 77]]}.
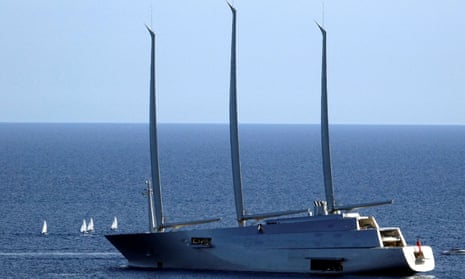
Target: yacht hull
{"points": [[286, 250]]}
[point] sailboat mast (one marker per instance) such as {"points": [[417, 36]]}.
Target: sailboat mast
{"points": [[154, 186], [233, 128], [328, 179]]}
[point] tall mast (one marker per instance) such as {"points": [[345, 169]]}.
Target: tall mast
{"points": [[154, 188], [328, 179], [233, 128]]}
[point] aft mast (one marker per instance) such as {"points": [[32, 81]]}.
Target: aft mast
{"points": [[326, 154], [328, 179], [233, 128], [154, 186]]}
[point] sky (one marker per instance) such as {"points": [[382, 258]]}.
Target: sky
{"points": [[389, 61]]}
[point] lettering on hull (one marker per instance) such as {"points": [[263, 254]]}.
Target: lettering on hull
{"points": [[201, 242]]}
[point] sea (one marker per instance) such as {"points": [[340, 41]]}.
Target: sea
{"points": [[65, 173]]}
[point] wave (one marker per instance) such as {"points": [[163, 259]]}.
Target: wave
{"points": [[61, 254]]}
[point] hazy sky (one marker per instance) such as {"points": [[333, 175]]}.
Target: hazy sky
{"points": [[389, 61]]}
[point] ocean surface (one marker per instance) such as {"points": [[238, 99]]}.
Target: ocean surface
{"points": [[64, 173]]}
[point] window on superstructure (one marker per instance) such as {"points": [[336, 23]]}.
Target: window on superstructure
{"points": [[366, 223]]}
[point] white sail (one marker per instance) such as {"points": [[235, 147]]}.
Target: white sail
{"points": [[83, 226], [90, 225], [114, 225], [44, 228]]}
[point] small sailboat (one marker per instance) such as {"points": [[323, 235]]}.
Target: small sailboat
{"points": [[114, 225], [90, 226], [44, 228], [83, 226]]}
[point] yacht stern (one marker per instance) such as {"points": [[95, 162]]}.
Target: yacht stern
{"points": [[419, 258]]}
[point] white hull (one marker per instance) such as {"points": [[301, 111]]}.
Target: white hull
{"points": [[320, 245]]}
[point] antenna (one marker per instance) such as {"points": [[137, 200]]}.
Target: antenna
{"points": [[323, 13], [151, 16]]}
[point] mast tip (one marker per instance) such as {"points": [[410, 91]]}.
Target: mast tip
{"points": [[150, 30], [231, 6], [322, 29]]}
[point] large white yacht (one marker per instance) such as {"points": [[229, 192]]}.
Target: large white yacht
{"points": [[330, 240]]}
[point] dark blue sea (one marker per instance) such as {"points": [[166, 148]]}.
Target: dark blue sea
{"points": [[64, 173]]}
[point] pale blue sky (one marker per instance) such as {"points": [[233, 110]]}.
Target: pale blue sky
{"points": [[389, 61]]}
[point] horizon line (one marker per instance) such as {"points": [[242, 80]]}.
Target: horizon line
{"points": [[226, 123]]}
